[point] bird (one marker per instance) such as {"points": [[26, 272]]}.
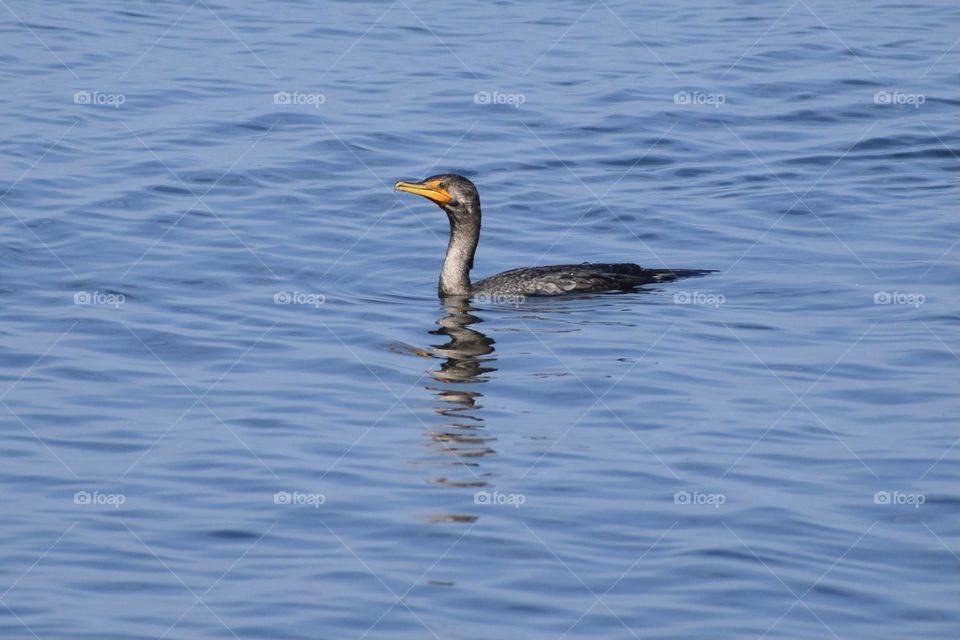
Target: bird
{"points": [[460, 200]]}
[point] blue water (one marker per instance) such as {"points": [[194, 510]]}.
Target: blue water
{"points": [[233, 406]]}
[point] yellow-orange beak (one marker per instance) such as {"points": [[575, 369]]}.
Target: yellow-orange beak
{"points": [[430, 190]]}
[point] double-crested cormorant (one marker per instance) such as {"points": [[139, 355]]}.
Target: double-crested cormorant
{"points": [[459, 198]]}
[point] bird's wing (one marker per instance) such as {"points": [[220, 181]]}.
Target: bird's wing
{"points": [[566, 278]]}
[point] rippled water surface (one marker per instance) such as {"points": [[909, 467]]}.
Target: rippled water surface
{"points": [[233, 406]]}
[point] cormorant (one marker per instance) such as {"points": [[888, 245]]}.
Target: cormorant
{"points": [[459, 198]]}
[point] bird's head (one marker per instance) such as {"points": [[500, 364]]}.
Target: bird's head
{"points": [[453, 193]]}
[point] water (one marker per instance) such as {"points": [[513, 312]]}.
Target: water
{"points": [[765, 452]]}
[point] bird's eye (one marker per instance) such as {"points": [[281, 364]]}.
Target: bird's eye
{"points": [[443, 185]]}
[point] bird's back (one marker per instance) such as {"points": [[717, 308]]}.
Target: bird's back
{"points": [[571, 278]]}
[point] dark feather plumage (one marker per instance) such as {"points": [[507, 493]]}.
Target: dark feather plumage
{"points": [[578, 278]]}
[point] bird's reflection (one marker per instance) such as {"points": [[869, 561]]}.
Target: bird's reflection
{"points": [[467, 360]]}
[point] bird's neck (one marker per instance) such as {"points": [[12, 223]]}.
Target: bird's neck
{"points": [[455, 277]]}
